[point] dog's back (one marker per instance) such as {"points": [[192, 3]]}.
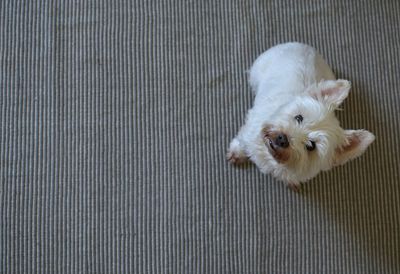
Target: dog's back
{"points": [[287, 63]]}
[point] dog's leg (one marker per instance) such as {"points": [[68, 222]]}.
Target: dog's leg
{"points": [[295, 186], [236, 153]]}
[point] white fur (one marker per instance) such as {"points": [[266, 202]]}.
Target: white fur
{"points": [[288, 80]]}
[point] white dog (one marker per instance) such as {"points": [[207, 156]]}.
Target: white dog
{"points": [[291, 131]]}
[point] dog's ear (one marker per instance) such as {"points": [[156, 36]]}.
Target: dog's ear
{"points": [[355, 144], [333, 92]]}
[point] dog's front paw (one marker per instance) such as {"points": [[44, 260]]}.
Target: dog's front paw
{"points": [[236, 154], [295, 186], [236, 158]]}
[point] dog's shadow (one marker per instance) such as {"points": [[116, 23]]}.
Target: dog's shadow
{"points": [[362, 198]]}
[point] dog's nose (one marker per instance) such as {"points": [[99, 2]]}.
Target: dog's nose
{"points": [[282, 140]]}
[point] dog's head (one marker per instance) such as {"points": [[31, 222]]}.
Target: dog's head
{"points": [[304, 136]]}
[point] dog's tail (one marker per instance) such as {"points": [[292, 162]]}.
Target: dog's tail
{"points": [[258, 70], [252, 81]]}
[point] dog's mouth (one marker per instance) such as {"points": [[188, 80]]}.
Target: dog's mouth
{"points": [[281, 155], [271, 144]]}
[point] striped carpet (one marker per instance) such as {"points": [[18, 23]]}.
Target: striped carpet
{"points": [[116, 116]]}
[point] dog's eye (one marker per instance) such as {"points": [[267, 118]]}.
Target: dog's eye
{"points": [[310, 146], [299, 118]]}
